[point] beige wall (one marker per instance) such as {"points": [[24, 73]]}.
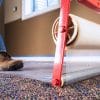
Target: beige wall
{"points": [[33, 36]]}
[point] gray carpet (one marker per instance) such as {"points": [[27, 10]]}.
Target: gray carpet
{"points": [[25, 84], [14, 87]]}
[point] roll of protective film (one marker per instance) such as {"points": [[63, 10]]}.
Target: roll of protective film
{"points": [[88, 34], [72, 30], [83, 44], [82, 34]]}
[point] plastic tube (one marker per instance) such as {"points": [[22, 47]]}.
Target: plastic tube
{"points": [[88, 34], [83, 57]]}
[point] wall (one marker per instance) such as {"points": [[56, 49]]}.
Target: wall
{"points": [[33, 36]]}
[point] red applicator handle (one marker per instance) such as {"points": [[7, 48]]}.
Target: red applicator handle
{"points": [[60, 45], [93, 4]]}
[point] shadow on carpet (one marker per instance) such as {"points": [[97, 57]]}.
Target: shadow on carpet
{"points": [[13, 87]]}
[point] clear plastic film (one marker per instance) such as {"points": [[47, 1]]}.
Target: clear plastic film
{"points": [[80, 65]]}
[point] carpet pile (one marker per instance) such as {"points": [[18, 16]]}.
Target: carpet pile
{"points": [[13, 87]]}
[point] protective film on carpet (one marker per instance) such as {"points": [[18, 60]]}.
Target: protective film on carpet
{"points": [[14, 87]]}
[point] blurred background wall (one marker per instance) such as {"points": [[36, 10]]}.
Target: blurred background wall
{"points": [[33, 36]]}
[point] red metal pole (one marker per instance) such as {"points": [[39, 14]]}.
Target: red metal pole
{"points": [[93, 4], [60, 45]]}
